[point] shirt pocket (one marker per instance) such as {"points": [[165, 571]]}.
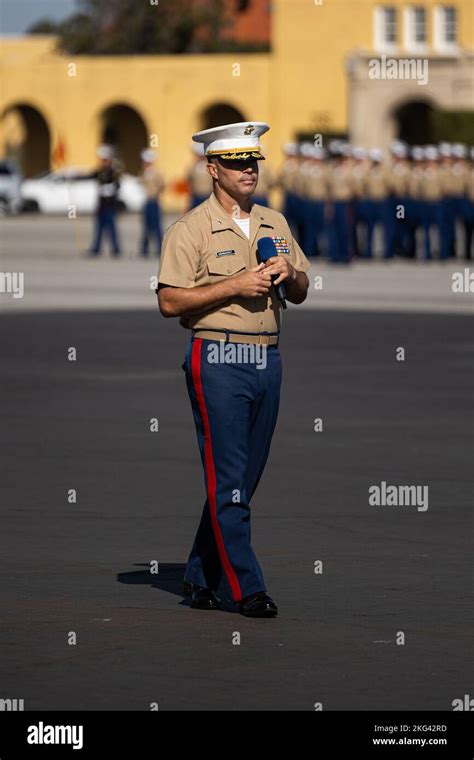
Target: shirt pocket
{"points": [[220, 268]]}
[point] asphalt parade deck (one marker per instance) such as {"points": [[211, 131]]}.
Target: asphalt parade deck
{"points": [[84, 567]]}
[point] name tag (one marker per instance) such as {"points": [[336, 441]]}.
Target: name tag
{"points": [[229, 252]]}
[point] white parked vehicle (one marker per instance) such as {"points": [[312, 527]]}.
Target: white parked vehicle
{"points": [[55, 192]]}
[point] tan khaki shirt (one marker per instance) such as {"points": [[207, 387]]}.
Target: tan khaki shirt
{"points": [[205, 246], [454, 179], [153, 182], [358, 174], [315, 182], [399, 179], [199, 179], [376, 185], [431, 184], [288, 176], [340, 182]]}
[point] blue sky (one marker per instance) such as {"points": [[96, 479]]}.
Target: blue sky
{"points": [[17, 15]]}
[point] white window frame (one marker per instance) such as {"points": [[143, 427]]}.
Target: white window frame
{"points": [[440, 44], [380, 42], [409, 29]]}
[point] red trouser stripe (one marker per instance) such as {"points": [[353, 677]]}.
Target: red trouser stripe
{"points": [[211, 471]]}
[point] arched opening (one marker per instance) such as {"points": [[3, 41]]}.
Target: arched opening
{"points": [[27, 139], [124, 128], [414, 123], [219, 114]]}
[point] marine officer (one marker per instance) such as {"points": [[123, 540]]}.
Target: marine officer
{"points": [[461, 212], [398, 231], [108, 185], [415, 205], [153, 184], [376, 200], [431, 195], [315, 193], [359, 217], [339, 209], [288, 180], [210, 277]]}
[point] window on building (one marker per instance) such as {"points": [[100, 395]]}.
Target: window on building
{"points": [[385, 28], [415, 36], [445, 28]]}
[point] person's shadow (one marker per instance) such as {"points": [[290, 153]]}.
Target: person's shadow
{"points": [[169, 578]]}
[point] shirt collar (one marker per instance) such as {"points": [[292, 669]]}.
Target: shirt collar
{"points": [[221, 220]]}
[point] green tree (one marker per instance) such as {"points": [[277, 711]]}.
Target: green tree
{"points": [[43, 26], [121, 27]]}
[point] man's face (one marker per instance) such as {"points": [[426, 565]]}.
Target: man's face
{"points": [[235, 176]]}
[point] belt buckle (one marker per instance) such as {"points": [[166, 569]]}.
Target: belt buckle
{"points": [[263, 340]]}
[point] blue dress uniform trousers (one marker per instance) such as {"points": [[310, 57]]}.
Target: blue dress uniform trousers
{"points": [[151, 226], [235, 408], [358, 225], [105, 222], [313, 227], [462, 215], [290, 210], [398, 234], [376, 212], [468, 219], [448, 228], [339, 232], [431, 216], [413, 218]]}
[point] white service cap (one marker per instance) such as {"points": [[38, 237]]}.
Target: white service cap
{"points": [[148, 156], [306, 149], [290, 149], [335, 147], [318, 152], [105, 151], [399, 149], [431, 153], [359, 153], [376, 154], [445, 149], [417, 153], [459, 150], [233, 141]]}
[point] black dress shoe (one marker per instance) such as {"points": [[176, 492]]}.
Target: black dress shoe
{"points": [[201, 598], [258, 605]]}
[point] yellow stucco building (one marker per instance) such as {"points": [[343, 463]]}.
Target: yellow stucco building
{"points": [[357, 67]]}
